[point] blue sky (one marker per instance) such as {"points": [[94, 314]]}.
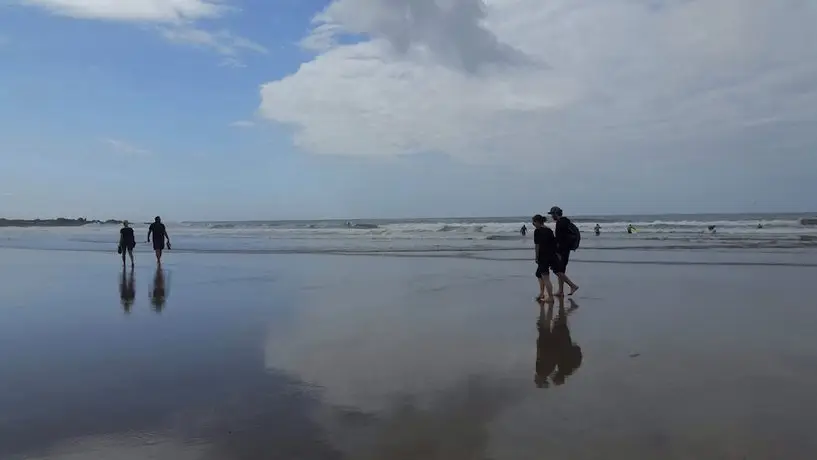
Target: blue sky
{"points": [[203, 109]]}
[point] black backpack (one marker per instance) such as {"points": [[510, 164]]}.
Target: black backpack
{"points": [[575, 236]]}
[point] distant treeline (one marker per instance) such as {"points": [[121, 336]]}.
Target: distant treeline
{"points": [[59, 222]]}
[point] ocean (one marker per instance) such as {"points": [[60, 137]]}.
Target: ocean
{"points": [[490, 236]]}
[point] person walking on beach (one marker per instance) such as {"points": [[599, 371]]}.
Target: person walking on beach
{"points": [[159, 232], [127, 241], [567, 239], [545, 255]]}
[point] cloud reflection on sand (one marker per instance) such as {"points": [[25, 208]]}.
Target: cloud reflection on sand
{"points": [[364, 353]]}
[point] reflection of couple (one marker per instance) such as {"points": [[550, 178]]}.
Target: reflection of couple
{"points": [[557, 356], [158, 291]]}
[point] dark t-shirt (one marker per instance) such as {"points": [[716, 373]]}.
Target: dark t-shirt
{"points": [[547, 243], [563, 236], [127, 237], [158, 231]]}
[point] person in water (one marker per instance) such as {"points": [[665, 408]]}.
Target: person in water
{"points": [[127, 242], [545, 256], [630, 228], [524, 230], [597, 229], [159, 232], [564, 240]]}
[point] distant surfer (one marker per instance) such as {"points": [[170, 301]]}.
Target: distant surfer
{"points": [[597, 229], [567, 239], [159, 232], [523, 230], [711, 229], [760, 225], [630, 228], [127, 241]]}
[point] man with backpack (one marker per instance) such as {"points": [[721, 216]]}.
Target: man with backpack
{"points": [[567, 240]]}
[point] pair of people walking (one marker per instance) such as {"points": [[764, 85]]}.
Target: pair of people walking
{"points": [[127, 240], [552, 251]]}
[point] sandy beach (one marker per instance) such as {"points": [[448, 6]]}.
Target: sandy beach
{"points": [[362, 357]]}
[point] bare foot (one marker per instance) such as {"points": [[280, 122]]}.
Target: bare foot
{"points": [[540, 298], [573, 290]]}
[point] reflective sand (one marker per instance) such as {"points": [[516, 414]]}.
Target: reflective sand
{"points": [[324, 357]]}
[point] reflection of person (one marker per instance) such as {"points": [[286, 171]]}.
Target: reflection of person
{"points": [[158, 292], [159, 232], [127, 290], [569, 354], [557, 356], [545, 352], [127, 241]]}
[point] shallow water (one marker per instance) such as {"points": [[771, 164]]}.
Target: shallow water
{"points": [[324, 357]]}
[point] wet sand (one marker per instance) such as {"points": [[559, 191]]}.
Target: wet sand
{"points": [[332, 357]]}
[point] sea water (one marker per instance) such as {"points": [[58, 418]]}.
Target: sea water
{"points": [[491, 236]]}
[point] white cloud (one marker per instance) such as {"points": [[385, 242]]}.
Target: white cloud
{"points": [[125, 148], [242, 124], [222, 42], [576, 83], [178, 20], [133, 10]]}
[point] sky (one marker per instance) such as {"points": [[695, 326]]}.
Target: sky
{"points": [[301, 109]]}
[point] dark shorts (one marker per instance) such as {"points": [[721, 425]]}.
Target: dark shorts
{"points": [[564, 258], [546, 266], [126, 247], [158, 245]]}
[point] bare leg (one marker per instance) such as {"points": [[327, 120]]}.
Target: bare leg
{"points": [[123, 256], [563, 279], [561, 291], [159, 256], [130, 253], [548, 286], [541, 288]]}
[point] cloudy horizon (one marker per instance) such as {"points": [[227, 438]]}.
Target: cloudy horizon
{"points": [[228, 110]]}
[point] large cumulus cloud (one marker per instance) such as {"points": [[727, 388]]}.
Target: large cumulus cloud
{"points": [[571, 83]]}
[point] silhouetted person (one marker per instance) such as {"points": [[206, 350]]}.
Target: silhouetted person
{"points": [[545, 350], [158, 292], [127, 290], [127, 241], [630, 228], [597, 229], [545, 256], [567, 239], [159, 232], [523, 230], [569, 355]]}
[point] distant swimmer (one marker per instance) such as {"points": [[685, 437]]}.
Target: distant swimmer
{"points": [[523, 230], [760, 225], [159, 233], [630, 228], [568, 238], [711, 229], [597, 229], [127, 241]]}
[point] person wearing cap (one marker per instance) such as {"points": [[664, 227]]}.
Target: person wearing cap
{"points": [[127, 241], [564, 240]]}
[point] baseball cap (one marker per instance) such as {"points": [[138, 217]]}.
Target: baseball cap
{"points": [[555, 211]]}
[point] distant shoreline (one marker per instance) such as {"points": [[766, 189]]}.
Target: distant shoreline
{"points": [[58, 222]]}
